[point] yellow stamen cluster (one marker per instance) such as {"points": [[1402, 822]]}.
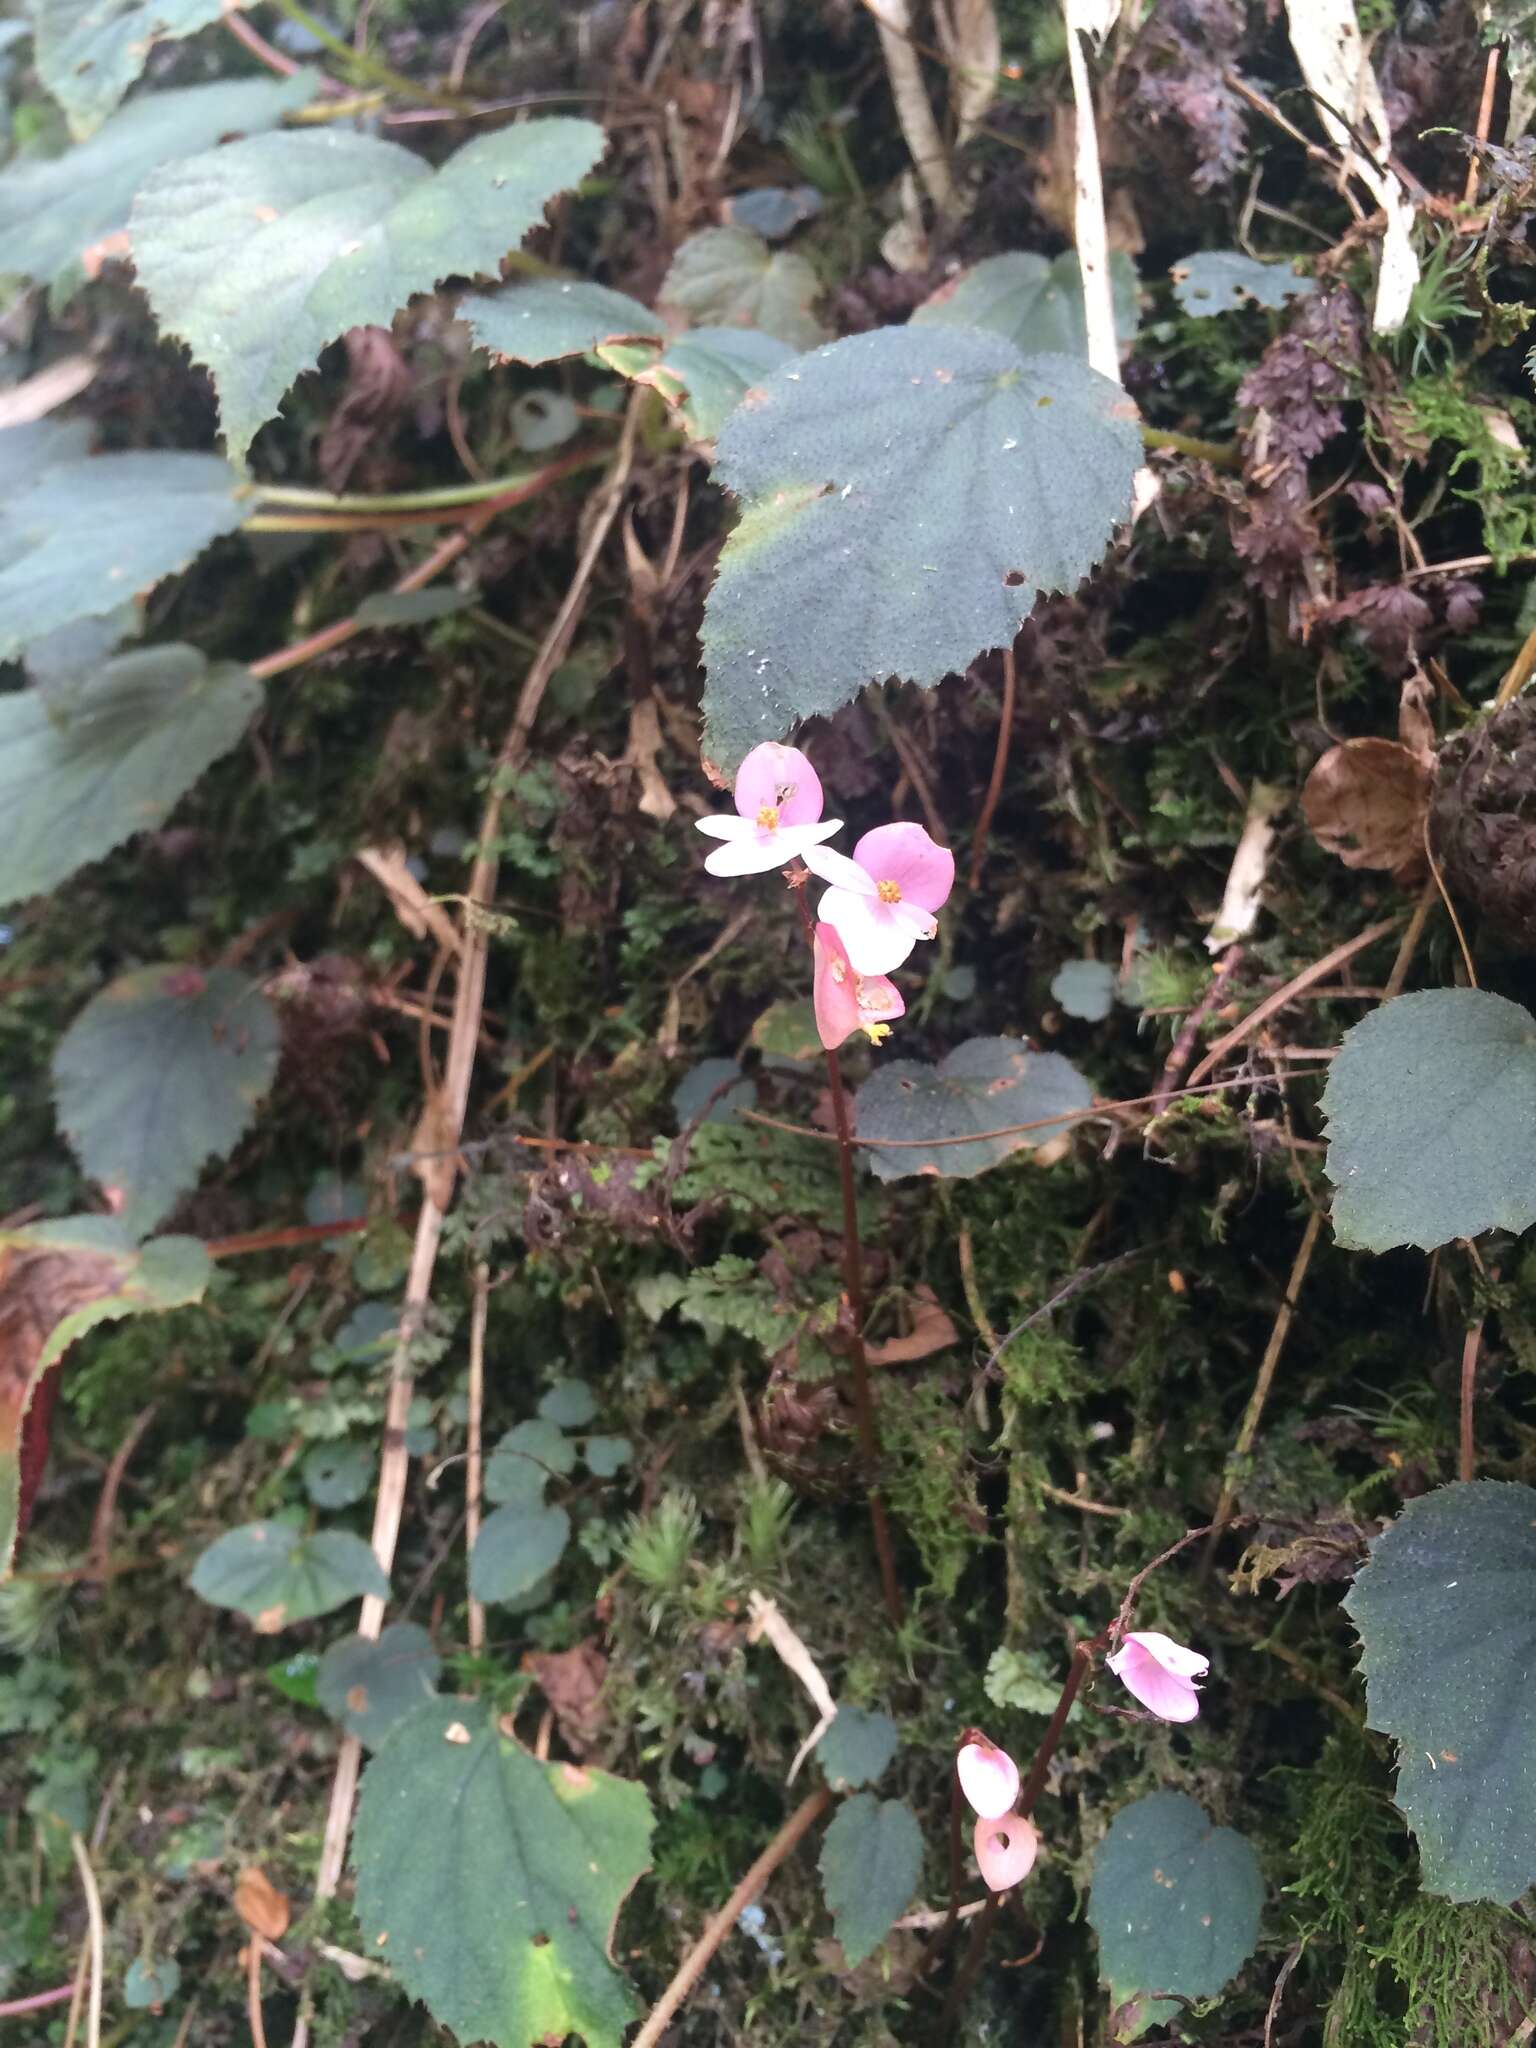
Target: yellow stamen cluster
{"points": [[768, 818], [888, 892], [877, 1032]]}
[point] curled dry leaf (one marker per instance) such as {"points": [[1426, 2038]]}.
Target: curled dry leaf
{"points": [[931, 1331], [263, 1908], [572, 1681], [1367, 799]]}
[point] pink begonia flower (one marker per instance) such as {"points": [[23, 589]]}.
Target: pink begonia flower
{"points": [[1160, 1673], [882, 901], [778, 805], [989, 1778], [1006, 1849], [847, 1001]]}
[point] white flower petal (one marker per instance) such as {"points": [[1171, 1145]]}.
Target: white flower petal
{"points": [[727, 828], [876, 943], [799, 842], [842, 872], [758, 853]]}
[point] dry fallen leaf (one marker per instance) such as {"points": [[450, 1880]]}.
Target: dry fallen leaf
{"points": [[434, 1148], [410, 902], [263, 1908], [572, 1680], [656, 800], [1366, 802], [931, 1331]]}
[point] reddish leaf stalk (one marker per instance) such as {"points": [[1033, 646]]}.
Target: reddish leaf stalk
{"points": [[853, 1287]]}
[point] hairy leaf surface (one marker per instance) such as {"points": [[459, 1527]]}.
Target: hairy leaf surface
{"points": [[706, 374], [1035, 303], [549, 317], [1430, 1104], [986, 1084], [55, 209], [260, 253], [160, 1073], [276, 1575], [1175, 1901], [1446, 1611], [729, 277], [133, 738], [871, 1860], [370, 1686], [906, 496], [89, 52], [492, 1882]]}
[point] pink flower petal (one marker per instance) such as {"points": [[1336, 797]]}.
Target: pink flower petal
{"points": [[876, 942], [842, 872], [923, 870], [989, 1778], [1142, 1665], [1006, 1849], [781, 779]]}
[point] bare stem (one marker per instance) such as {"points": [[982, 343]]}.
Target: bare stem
{"points": [[853, 1287]]}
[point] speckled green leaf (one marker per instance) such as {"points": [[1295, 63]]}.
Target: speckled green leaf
{"points": [[871, 1860], [525, 1460], [1035, 303], [371, 1686], [906, 495], [1219, 280], [338, 1475], [1446, 1611], [1431, 1105], [705, 375], [89, 52], [986, 1084], [551, 317], [97, 1266], [258, 254], [53, 209], [276, 1575], [85, 535], [856, 1748], [491, 1883], [518, 1545], [158, 1074], [1175, 1901], [729, 277]]}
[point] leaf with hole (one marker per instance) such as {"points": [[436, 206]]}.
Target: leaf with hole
{"points": [[1446, 1611], [857, 1748], [259, 254], [871, 1860], [916, 489], [85, 535], [88, 52], [56, 213], [77, 780], [1086, 989], [492, 1882], [276, 1575], [550, 317], [518, 1545], [527, 1458], [337, 1475], [1222, 280], [160, 1073], [370, 1686], [984, 1085], [543, 419], [705, 375], [1430, 1104], [729, 277], [1035, 303], [1175, 1902], [60, 1279]]}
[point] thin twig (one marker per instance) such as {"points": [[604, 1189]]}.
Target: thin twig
{"points": [[1293, 988], [1450, 908], [106, 1505], [39, 2001], [253, 1991], [1410, 945], [999, 765], [1484, 123], [1189, 1031], [469, 997], [693, 1965], [479, 1307], [1249, 1428], [88, 1885], [1466, 1463]]}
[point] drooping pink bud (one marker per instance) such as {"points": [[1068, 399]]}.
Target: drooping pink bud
{"points": [[989, 1777], [1160, 1673], [847, 1001], [1006, 1849]]}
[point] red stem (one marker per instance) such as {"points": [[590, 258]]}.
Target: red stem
{"points": [[853, 1287], [37, 2002]]}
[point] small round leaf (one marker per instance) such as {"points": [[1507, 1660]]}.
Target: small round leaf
{"points": [[277, 1575], [370, 1685], [1175, 1900], [984, 1085], [871, 1860], [856, 1748]]}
